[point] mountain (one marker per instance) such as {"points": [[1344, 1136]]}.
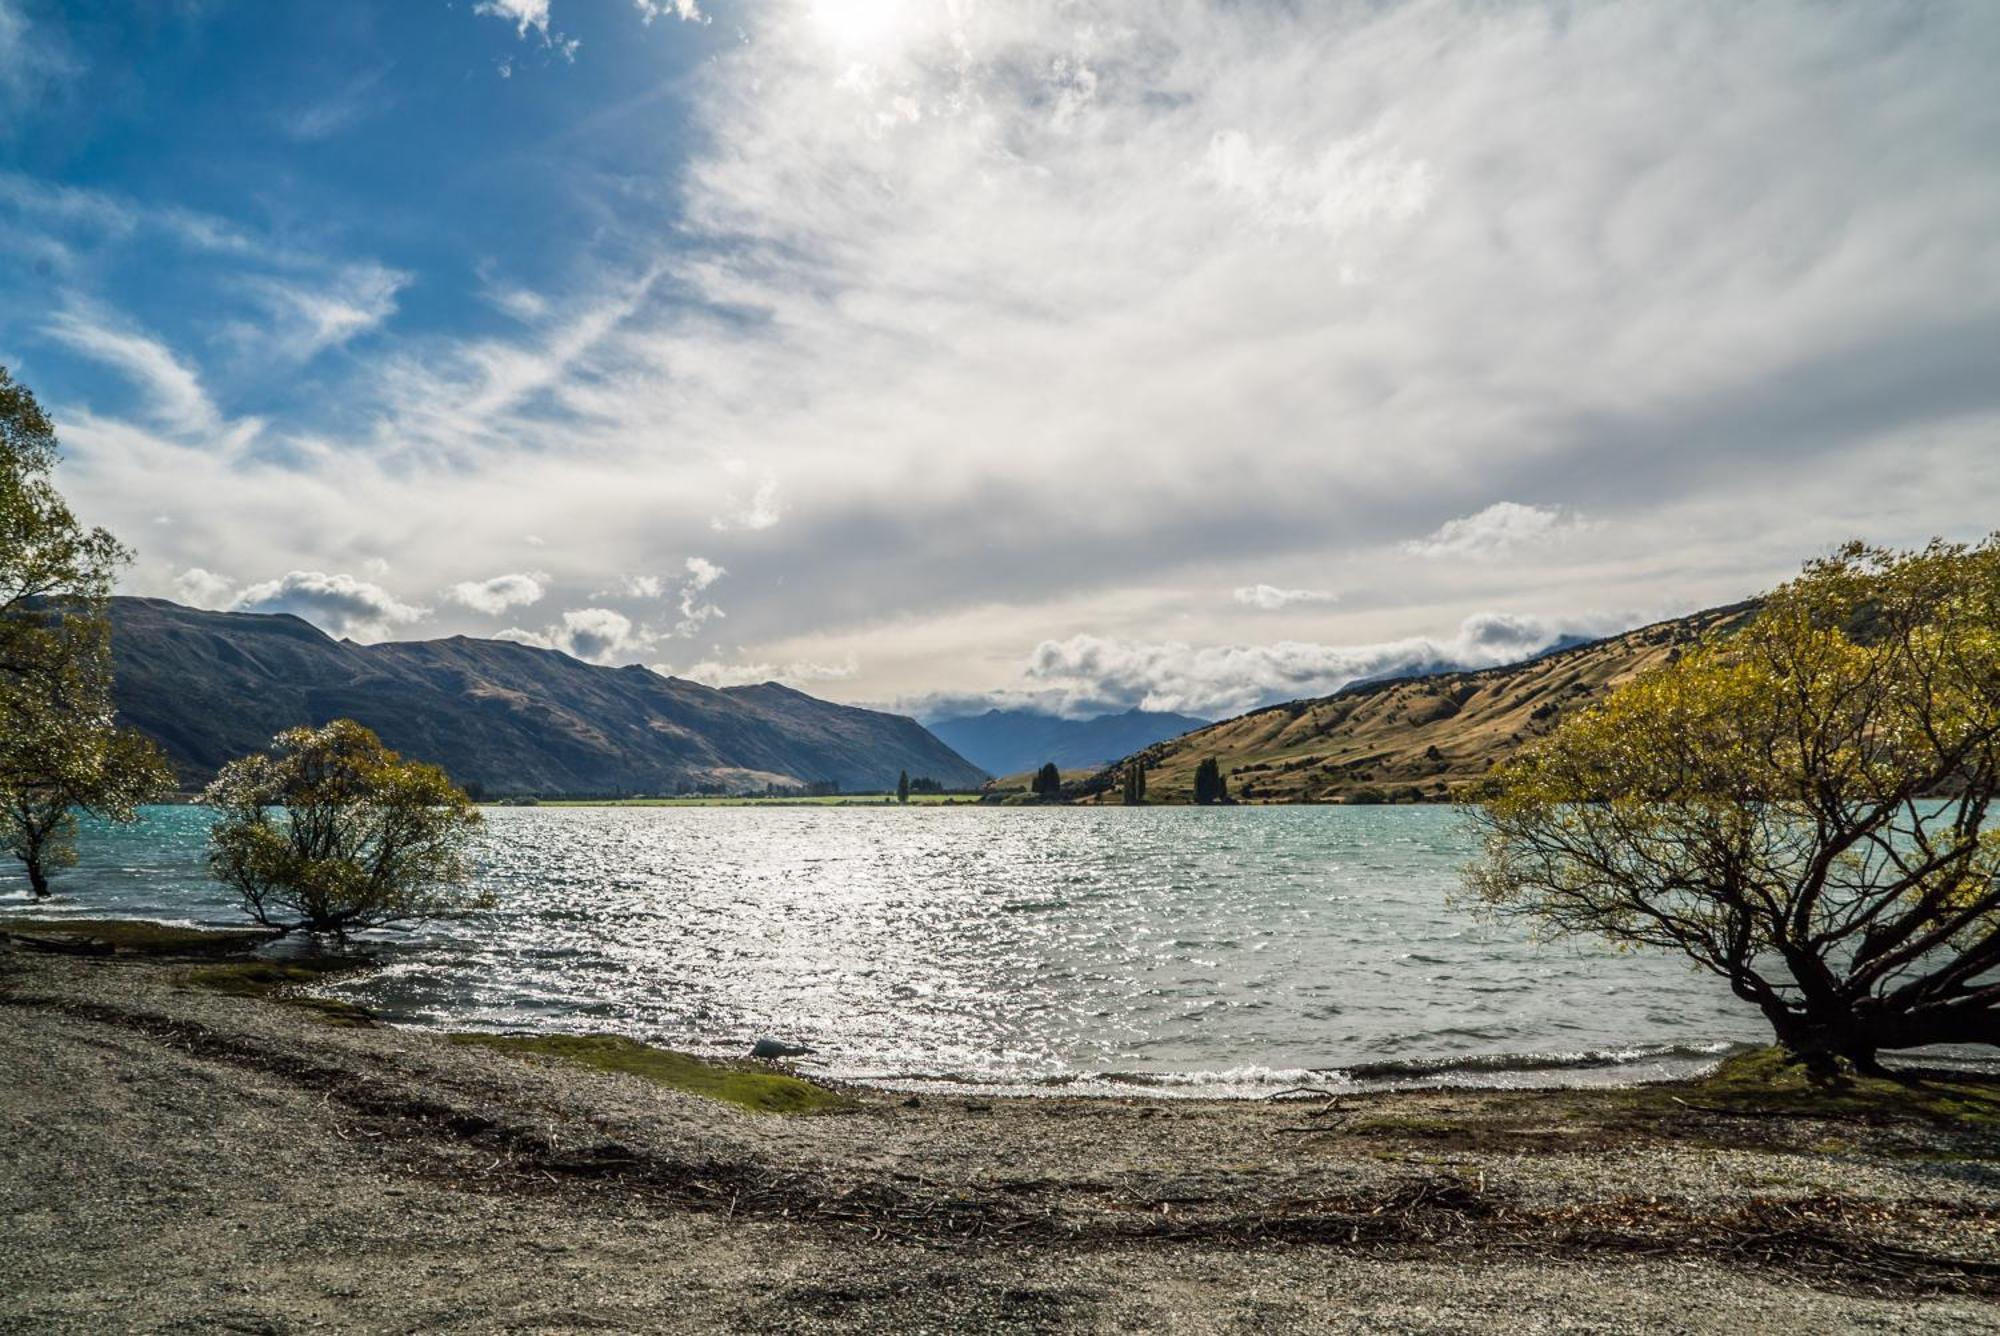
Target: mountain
{"points": [[1007, 742], [1407, 738], [507, 718]]}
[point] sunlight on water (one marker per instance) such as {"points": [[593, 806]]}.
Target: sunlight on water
{"points": [[1180, 950]]}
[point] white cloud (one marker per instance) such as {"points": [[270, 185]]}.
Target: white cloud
{"points": [[528, 16], [595, 635], [688, 11], [1499, 529], [1088, 674], [754, 510], [518, 590], [523, 14], [695, 610], [598, 635], [798, 674], [340, 605], [1036, 310], [645, 586], [522, 636], [306, 317], [204, 589], [173, 390], [1270, 598]]}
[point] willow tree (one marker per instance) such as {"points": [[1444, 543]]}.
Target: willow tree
{"points": [[1800, 806], [60, 749], [61, 752], [329, 833]]}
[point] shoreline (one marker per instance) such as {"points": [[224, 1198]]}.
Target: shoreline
{"points": [[182, 1157], [1616, 1067], [1613, 1067]]}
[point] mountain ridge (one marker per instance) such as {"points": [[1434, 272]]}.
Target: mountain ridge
{"points": [[502, 717], [1006, 742], [1406, 739]]}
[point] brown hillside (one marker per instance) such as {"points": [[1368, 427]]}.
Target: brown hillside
{"points": [[1410, 740]]}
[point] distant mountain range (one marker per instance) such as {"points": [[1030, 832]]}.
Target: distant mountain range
{"points": [[502, 717], [1007, 742], [1407, 738]]}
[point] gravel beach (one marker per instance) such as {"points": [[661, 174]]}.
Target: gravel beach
{"points": [[178, 1160]]}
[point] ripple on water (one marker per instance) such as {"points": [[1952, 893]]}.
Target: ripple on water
{"points": [[1175, 950]]}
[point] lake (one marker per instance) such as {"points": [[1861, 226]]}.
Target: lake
{"points": [[1169, 950]]}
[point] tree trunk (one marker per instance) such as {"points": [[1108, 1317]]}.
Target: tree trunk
{"points": [[38, 880], [1823, 1045]]}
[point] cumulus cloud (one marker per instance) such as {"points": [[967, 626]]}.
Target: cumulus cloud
{"points": [[688, 11], [340, 605], [1090, 674], [695, 609], [500, 593], [528, 16], [525, 15], [1270, 598], [595, 635], [1497, 530], [204, 589]]}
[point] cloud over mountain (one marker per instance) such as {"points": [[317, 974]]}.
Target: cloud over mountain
{"points": [[954, 331], [340, 605]]}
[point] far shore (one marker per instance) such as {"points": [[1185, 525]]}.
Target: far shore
{"points": [[197, 1142]]}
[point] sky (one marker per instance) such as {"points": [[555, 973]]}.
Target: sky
{"points": [[1088, 354]]}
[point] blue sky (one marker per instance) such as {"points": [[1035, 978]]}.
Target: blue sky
{"points": [[1187, 353]]}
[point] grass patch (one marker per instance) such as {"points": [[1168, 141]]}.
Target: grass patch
{"points": [[278, 982], [137, 936], [1763, 1082], [752, 1088]]}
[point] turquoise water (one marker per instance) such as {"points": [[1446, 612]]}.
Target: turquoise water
{"points": [[1230, 951]]}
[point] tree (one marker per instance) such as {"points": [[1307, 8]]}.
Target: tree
{"points": [[60, 753], [903, 787], [1209, 786], [1048, 782], [1799, 806], [330, 833], [60, 750], [1134, 791]]}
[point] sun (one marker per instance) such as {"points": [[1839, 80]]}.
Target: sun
{"points": [[861, 25]]}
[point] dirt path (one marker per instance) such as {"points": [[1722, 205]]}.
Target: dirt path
{"points": [[177, 1161]]}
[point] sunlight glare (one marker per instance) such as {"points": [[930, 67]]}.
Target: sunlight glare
{"points": [[856, 25]]}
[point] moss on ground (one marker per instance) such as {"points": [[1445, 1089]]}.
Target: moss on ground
{"points": [[751, 1087], [1766, 1081], [137, 936], [279, 981]]}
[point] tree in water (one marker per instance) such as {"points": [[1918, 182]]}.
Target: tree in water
{"points": [[1800, 806], [61, 751], [330, 833], [1048, 782], [1134, 789], [1209, 785]]}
